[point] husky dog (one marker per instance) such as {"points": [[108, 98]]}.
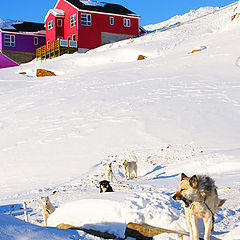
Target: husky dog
{"points": [[105, 186], [130, 168], [108, 172], [47, 208], [199, 194]]}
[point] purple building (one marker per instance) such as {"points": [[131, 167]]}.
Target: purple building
{"points": [[19, 41]]}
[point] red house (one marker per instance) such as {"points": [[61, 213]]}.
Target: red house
{"points": [[90, 23]]}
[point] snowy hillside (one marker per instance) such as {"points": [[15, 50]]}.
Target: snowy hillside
{"points": [[177, 111], [193, 14]]}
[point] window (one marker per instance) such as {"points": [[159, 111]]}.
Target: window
{"points": [[9, 40], [127, 22], [73, 20], [35, 40], [74, 37], [59, 23], [50, 25], [68, 38], [86, 19], [111, 20]]}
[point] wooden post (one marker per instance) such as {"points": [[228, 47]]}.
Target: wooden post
{"points": [[25, 212]]}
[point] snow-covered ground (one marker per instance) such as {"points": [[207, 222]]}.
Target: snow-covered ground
{"points": [[177, 111]]}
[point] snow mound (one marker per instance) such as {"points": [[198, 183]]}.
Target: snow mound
{"points": [[110, 212], [12, 228]]}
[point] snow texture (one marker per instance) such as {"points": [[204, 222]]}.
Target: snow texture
{"points": [[176, 111]]}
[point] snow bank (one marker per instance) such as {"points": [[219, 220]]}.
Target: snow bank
{"points": [[14, 229], [110, 212]]}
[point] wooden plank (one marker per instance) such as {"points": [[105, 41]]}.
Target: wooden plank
{"points": [[146, 232]]}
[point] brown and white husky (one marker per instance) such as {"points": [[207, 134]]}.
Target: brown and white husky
{"points": [[200, 197]]}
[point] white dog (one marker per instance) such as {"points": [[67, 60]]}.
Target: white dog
{"points": [[47, 208], [130, 168], [108, 172]]}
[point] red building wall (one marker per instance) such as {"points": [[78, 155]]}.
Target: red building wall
{"points": [[89, 36], [69, 11], [51, 33]]}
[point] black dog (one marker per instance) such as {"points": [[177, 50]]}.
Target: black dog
{"points": [[105, 186]]}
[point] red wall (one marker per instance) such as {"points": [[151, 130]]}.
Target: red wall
{"points": [[69, 11], [89, 36], [51, 34]]}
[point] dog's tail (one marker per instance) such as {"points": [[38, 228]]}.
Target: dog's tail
{"points": [[134, 158]]}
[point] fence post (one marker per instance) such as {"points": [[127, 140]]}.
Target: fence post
{"points": [[25, 212]]}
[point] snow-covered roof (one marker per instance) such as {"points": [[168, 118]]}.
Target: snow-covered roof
{"points": [[98, 6], [92, 3], [8, 24], [56, 13], [19, 26]]}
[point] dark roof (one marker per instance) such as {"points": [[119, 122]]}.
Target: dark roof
{"points": [[108, 8], [25, 27]]}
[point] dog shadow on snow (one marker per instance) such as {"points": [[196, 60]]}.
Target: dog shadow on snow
{"points": [[161, 175]]}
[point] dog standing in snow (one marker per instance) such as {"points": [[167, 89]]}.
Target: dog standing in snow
{"points": [[47, 208], [108, 172], [130, 168], [200, 198]]}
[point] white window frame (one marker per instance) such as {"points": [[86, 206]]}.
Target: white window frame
{"points": [[9, 40], [35, 41], [112, 21], [127, 22], [73, 20], [86, 19], [50, 25], [59, 22]]}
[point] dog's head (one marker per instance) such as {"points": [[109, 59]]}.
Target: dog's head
{"points": [[105, 186], [186, 189], [45, 200]]}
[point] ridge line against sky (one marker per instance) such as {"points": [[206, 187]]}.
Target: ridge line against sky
{"points": [[151, 11]]}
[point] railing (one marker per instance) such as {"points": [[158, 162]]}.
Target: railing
{"points": [[56, 48], [16, 210]]}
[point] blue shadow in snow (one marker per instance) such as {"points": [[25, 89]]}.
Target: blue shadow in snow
{"points": [[154, 170], [160, 176]]}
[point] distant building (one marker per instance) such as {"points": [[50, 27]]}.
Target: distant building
{"points": [[19, 41], [90, 23]]}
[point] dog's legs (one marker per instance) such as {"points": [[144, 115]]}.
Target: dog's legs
{"points": [[45, 221], [195, 235], [126, 174], [208, 227], [188, 219], [111, 177]]}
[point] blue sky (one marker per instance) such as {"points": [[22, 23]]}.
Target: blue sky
{"points": [[151, 11]]}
